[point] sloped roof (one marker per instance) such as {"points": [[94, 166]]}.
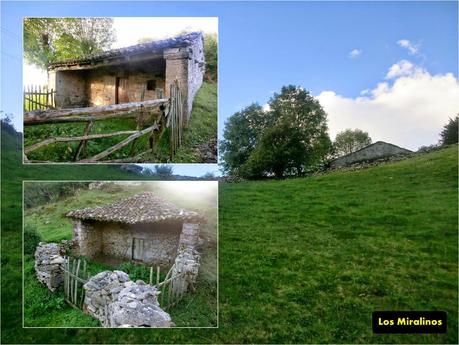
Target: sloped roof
{"points": [[152, 47], [373, 144], [141, 208]]}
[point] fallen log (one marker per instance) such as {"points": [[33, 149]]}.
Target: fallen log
{"points": [[36, 117]]}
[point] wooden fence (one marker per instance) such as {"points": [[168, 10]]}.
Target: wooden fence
{"points": [[172, 288], [170, 115], [75, 276], [38, 97]]}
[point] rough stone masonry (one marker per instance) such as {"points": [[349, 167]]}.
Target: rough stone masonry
{"points": [[116, 301], [48, 262]]}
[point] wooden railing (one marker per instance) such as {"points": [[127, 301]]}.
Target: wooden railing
{"points": [[75, 276], [38, 97], [170, 115]]}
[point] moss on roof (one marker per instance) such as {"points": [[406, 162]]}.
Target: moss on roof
{"points": [[152, 47], [141, 208]]}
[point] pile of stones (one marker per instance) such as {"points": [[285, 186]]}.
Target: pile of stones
{"points": [[116, 301], [138, 306], [48, 262]]}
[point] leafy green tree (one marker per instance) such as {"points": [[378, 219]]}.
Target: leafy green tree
{"points": [[211, 56], [449, 135], [350, 140], [284, 140], [164, 170], [53, 39], [241, 134]]}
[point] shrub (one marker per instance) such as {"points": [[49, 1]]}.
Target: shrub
{"points": [[31, 239], [449, 135]]}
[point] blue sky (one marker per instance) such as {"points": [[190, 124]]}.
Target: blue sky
{"points": [[264, 45]]}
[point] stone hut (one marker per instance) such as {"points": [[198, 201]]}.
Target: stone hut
{"points": [[123, 75], [377, 150], [143, 228]]}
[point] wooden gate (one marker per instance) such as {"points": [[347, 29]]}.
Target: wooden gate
{"points": [[75, 276], [172, 288]]}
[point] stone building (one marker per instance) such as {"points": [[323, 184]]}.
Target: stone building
{"points": [[143, 228], [377, 150], [123, 75]]}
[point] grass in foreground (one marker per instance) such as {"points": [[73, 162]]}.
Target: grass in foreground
{"points": [[202, 128], [312, 258]]}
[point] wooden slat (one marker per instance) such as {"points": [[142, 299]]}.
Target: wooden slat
{"points": [[67, 139], [75, 293], [83, 143]]}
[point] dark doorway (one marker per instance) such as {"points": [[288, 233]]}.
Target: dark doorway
{"points": [[121, 95]]}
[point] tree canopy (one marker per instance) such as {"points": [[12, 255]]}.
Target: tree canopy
{"points": [[286, 139], [449, 135], [53, 39], [350, 140]]}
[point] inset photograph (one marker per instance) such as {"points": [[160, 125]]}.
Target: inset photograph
{"points": [[120, 90], [120, 254]]}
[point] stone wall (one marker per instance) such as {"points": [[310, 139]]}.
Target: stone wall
{"points": [[160, 241], [187, 65], [374, 151], [70, 87], [87, 238], [101, 85], [48, 262], [116, 301], [196, 70], [188, 259]]}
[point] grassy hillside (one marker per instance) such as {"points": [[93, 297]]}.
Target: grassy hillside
{"points": [[301, 260], [314, 257], [202, 128]]}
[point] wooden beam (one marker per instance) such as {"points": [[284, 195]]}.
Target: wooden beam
{"points": [[107, 61], [118, 146], [66, 139], [101, 112]]}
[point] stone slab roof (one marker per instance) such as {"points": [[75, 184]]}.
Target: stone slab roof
{"points": [[141, 208], [156, 46]]}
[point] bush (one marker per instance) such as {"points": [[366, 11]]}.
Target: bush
{"points": [[449, 135], [210, 54], [31, 239]]}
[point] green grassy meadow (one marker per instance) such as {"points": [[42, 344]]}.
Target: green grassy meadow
{"points": [[303, 260], [202, 128]]}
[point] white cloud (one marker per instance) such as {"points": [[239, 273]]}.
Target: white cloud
{"points": [[399, 69], [409, 111], [354, 53], [412, 48]]}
